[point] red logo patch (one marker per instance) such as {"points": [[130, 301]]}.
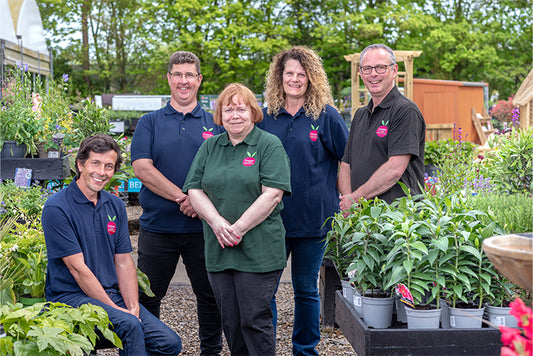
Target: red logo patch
{"points": [[313, 134], [207, 133], [250, 160], [383, 129], [111, 226]]}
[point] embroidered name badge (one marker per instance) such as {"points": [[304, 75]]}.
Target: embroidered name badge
{"points": [[250, 160], [313, 134], [207, 133], [383, 129], [111, 226]]}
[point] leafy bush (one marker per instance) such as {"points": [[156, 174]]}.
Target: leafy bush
{"points": [[25, 203], [514, 213], [503, 110], [53, 329], [511, 161], [437, 152]]}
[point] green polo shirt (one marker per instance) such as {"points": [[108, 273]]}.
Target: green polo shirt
{"points": [[232, 177]]}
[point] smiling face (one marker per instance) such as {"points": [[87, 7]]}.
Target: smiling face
{"points": [[379, 85], [237, 119], [184, 91], [295, 80], [96, 172]]}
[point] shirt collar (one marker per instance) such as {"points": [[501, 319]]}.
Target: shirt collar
{"points": [[251, 140], [388, 100], [80, 198], [196, 112]]}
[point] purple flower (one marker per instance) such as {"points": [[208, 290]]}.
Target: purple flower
{"points": [[65, 77], [23, 66], [58, 127]]}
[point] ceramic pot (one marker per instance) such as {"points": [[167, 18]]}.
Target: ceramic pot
{"points": [[347, 290], [377, 312], [423, 319], [12, 149], [461, 318], [500, 316]]}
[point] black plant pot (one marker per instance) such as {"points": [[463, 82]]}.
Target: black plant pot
{"points": [[12, 149]]}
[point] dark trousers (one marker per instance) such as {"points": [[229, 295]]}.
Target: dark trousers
{"points": [[158, 258], [244, 302]]}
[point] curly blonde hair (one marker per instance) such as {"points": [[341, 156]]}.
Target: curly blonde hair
{"points": [[318, 92]]}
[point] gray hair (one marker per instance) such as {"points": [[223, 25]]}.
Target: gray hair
{"points": [[181, 57], [392, 57]]}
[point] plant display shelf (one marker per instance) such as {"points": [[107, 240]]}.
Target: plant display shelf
{"points": [[42, 168], [402, 341]]}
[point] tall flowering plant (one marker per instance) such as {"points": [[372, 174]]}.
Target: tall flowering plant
{"points": [[51, 108], [518, 342]]}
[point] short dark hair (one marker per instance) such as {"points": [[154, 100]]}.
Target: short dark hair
{"points": [[100, 143], [392, 57], [181, 57]]}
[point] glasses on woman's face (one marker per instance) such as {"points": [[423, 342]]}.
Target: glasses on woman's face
{"points": [[229, 110], [380, 69], [188, 75]]}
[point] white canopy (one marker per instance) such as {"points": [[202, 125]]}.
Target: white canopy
{"points": [[22, 18]]}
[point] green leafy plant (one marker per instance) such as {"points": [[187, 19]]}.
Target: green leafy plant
{"points": [[90, 120], [437, 152], [26, 203], [53, 329], [512, 212], [17, 121], [511, 161]]}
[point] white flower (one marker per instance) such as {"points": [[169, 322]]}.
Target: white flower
{"points": [[14, 248]]}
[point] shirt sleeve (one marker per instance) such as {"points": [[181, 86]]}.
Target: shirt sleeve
{"points": [[274, 168], [59, 234], [338, 133], [405, 133], [196, 171], [141, 144]]}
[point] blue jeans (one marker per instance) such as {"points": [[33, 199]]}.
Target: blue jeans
{"points": [[148, 336], [306, 258]]}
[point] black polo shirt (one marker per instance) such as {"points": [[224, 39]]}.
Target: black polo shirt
{"points": [[396, 127]]}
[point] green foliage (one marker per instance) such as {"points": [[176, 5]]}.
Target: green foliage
{"points": [[16, 115], [514, 212], [90, 120], [511, 163], [53, 329], [26, 203], [23, 249], [437, 152], [432, 244]]}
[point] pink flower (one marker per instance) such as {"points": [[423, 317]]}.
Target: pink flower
{"points": [[509, 334], [505, 351]]}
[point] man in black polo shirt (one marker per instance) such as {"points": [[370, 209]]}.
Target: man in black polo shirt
{"points": [[387, 137]]}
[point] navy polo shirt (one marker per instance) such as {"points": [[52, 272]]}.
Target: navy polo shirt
{"points": [[170, 139], [315, 148], [395, 127], [73, 224]]}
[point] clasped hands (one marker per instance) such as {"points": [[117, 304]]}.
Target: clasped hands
{"points": [[186, 207], [346, 203], [227, 234]]}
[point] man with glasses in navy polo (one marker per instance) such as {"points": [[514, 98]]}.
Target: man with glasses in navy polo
{"points": [[387, 137], [162, 150]]}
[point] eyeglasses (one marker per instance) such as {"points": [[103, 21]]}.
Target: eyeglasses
{"points": [[188, 75], [228, 110], [380, 68]]}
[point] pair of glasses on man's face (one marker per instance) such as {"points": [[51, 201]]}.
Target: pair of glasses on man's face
{"points": [[187, 75], [380, 68]]}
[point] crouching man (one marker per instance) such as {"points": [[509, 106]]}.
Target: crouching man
{"points": [[89, 260]]}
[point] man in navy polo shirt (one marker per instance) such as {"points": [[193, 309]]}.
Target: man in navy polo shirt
{"points": [[88, 246], [387, 137], [163, 148]]}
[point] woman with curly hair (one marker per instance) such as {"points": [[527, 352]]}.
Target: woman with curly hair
{"points": [[301, 113]]}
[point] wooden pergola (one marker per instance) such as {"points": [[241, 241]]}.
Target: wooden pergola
{"points": [[401, 56]]}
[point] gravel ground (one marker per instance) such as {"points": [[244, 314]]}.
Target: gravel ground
{"points": [[178, 310]]}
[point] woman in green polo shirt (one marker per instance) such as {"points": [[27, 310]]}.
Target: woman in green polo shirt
{"points": [[236, 183]]}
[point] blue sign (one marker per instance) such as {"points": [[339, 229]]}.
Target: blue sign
{"points": [[134, 185], [122, 186]]}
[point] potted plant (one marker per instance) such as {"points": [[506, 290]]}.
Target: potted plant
{"points": [[17, 122]]}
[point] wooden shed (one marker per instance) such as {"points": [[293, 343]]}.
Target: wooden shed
{"points": [[524, 100], [445, 102]]}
